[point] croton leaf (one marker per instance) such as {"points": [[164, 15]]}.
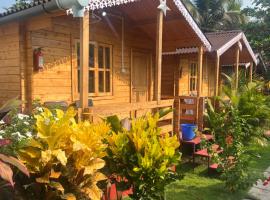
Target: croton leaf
{"points": [[57, 186], [68, 196], [15, 162], [43, 179], [6, 173], [55, 174], [61, 156], [95, 165]]}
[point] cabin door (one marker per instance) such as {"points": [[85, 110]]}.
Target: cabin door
{"points": [[140, 76]]}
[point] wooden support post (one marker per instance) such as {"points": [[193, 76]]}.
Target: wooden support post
{"points": [[176, 117], [199, 81], [158, 56], [84, 68], [217, 75], [26, 71], [237, 53], [251, 72]]}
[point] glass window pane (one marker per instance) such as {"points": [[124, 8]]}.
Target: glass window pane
{"points": [[101, 81], [107, 57], [108, 82], [91, 83], [91, 55], [100, 57]]}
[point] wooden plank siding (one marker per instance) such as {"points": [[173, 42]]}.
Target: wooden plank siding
{"points": [[58, 81], [10, 85], [184, 61]]}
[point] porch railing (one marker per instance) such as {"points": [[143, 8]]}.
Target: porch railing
{"points": [[189, 110], [132, 110]]}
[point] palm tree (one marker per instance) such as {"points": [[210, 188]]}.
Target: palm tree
{"points": [[233, 17], [211, 12], [214, 15]]}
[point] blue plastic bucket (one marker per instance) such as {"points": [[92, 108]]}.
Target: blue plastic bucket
{"points": [[188, 131]]}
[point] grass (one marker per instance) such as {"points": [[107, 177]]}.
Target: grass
{"points": [[198, 184]]}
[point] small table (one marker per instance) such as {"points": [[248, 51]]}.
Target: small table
{"points": [[197, 140], [204, 153]]}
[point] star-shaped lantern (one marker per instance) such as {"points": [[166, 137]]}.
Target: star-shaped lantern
{"points": [[163, 7]]}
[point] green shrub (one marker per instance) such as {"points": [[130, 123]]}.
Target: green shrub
{"points": [[65, 157], [237, 124], [142, 157]]}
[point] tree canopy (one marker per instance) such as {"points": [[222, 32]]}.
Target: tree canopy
{"points": [[258, 28]]}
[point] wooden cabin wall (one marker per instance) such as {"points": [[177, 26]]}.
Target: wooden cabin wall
{"points": [[10, 85], [54, 82], [171, 63], [207, 78], [58, 81], [135, 39]]}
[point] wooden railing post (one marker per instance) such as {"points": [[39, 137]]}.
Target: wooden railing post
{"points": [[84, 64], [158, 56]]}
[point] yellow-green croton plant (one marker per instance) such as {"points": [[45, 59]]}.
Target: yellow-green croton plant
{"points": [[65, 156]]}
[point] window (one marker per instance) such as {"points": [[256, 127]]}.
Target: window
{"points": [[193, 71], [100, 69]]}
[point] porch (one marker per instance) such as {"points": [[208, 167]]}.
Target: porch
{"points": [[140, 68], [132, 110]]}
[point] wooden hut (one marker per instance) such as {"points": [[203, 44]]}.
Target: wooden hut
{"points": [[109, 60], [191, 74]]}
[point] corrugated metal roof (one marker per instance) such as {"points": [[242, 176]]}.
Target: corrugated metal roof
{"points": [[12, 11], [219, 39]]}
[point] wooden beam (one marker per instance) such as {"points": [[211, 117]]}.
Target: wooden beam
{"points": [[251, 72], [158, 55], [199, 83], [237, 53], [200, 71], [84, 52], [176, 112], [217, 75], [27, 69], [153, 21]]}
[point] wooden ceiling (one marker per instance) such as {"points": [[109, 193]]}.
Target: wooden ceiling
{"points": [[177, 33], [228, 58]]}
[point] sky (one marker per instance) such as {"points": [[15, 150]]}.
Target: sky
{"points": [[7, 3]]}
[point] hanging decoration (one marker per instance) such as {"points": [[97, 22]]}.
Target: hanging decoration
{"points": [[163, 7]]}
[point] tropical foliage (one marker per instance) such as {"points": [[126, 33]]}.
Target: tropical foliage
{"points": [[65, 157], [239, 122], [142, 157], [217, 15], [260, 15], [6, 161]]}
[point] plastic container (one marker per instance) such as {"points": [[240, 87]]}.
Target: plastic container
{"points": [[188, 131]]}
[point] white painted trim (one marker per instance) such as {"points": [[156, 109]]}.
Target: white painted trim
{"points": [[229, 44], [99, 4], [182, 51], [193, 24], [250, 50]]}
